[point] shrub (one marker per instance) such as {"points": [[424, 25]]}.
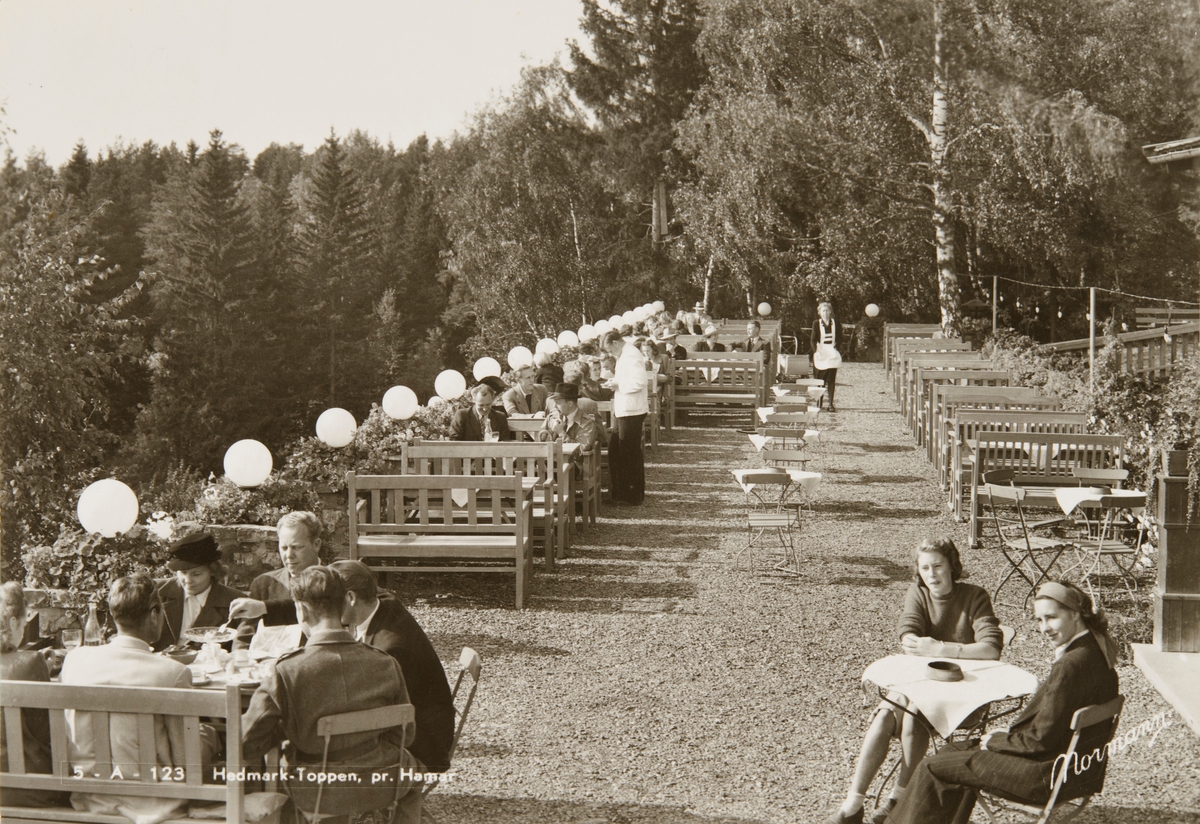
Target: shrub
{"points": [[85, 566]]}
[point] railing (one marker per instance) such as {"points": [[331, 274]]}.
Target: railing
{"points": [[1148, 352]]}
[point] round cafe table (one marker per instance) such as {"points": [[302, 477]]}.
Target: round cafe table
{"points": [[946, 704]]}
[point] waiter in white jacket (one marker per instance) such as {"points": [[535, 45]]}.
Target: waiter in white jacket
{"points": [[626, 466]]}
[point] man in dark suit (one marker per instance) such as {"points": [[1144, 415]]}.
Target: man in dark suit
{"points": [[528, 397], [193, 598], [270, 598], [472, 423], [710, 343], [384, 623], [1019, 763], [755, 342], [331, 675]]}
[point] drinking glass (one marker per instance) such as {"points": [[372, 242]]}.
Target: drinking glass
{"points": [[71, 638]]}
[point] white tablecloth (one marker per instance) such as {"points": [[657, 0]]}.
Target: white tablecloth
{"points": [[808, 481], [762, 441], [1069, 497], [947, 703]]}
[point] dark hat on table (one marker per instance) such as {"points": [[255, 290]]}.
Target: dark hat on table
{"points": [[495, 384], [195, 550], [565, 392]]}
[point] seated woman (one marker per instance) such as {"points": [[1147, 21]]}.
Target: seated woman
{"points": [[18, 665], [1018, 763], [481, 421], [944, 618], [654, 358]]}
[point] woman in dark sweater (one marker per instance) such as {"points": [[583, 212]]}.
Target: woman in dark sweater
{"points": [[944, 618]]}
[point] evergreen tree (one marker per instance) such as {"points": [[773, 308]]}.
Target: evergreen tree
{"points": [[334, 262]]}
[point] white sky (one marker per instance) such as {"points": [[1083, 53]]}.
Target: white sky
{"points": [[262, 71]]}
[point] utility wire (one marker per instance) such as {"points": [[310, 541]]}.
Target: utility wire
{"points": [[982, 278]]}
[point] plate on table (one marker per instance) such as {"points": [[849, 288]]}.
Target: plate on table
{"points": [[210, 635]]}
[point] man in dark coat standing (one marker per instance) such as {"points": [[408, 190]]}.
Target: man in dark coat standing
{"points": [[384, 623]]}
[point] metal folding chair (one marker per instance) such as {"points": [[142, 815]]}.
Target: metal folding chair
{"points": [[1103, 539], [1021, 548], [1092, 729], [469, 665], [769, 510]]}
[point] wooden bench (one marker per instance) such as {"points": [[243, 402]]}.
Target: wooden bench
{"points": [[929, 380], [901, 347], [542, 464], [1040, 462], [413, 523], [895, 332], [1150, 317], [971, 424], [931, 360], [947, 399], [728, 378], [189, 706]]}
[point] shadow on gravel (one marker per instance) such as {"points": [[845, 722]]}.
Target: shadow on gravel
{"points": [[884, 566], [473, 809], [490, 645], [870, 511], [879, 447]]}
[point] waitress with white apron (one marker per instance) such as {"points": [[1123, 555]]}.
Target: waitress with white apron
{"points": [[826, 358]]}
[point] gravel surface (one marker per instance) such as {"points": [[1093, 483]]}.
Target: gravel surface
{"points": [[649, 680]]}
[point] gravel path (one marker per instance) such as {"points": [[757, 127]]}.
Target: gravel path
{"points": [[650, 681]]}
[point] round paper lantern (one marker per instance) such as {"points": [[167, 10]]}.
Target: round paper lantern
{"points": [[336, 427], [108, 507], [659, 306], [603, 326], [450, 384], [546, 345], [486, 368], [872, 310], [436, 402], [519, 356], [400, 403], [588, 332], [567, 338], [764, 308], [248, 463]]}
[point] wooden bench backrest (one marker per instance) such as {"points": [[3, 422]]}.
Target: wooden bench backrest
{"points": [[894, 332], [142, 704], [740, 372], [536, 460], [1048, 459], [425, 504], [910, 362]]}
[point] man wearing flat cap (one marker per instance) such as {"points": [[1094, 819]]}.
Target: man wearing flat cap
{"points": [[566, 423], [193, 598]]}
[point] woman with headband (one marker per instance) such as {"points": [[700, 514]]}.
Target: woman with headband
{"points": [[1020, 763]]}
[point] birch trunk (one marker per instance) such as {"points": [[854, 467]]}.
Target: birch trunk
{"points": [[708, 281], [943, 221]]}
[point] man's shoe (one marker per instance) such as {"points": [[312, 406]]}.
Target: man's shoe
{"points": [[883, 811], [840, 817]]}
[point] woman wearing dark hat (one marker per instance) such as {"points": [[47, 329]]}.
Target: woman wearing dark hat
{"points": [[481, 421], [193, 598], [1019, 762]]}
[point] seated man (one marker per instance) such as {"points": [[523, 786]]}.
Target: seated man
{"points": [[527, 397], [331, 675], [378, 619], [548, 374], [567, 422], [128, 661], [710, 343], [270, 598], [576, 372], [755, 342], [193, 598], [481, 421]]}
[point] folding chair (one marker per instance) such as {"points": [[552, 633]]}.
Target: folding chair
{"points": [[1018, 545], [1103, 539], [767, 495], [379, 719], [1092, 729], [469, 664]]}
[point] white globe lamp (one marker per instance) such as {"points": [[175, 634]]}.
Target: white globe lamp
{"points": [[248, 463], [450, 384], [336, 427], [108, 507], [486, 368], [567, 338], [400, 403], [764, 308], [519, 356], [872, 310]]}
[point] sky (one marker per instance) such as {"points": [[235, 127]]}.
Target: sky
{"points": [[262, 71]]}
